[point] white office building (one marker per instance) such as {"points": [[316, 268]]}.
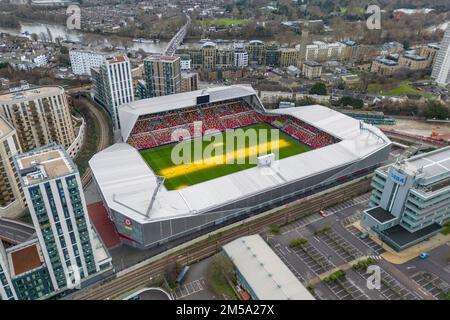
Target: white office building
{"points": [[441, 67], [113, 85], [83, 60]]}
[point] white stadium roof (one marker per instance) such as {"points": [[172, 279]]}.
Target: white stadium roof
{"points": [[129, 113], [127, 182], [263, 270]]}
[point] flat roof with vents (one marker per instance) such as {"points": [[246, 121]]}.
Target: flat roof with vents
{"points": [[268, 277], [44, 163]]}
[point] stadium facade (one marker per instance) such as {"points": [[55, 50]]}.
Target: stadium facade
{"points": [[146, 214]]}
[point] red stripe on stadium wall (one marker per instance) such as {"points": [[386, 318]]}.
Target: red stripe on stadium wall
{"points": [[126, 237]]}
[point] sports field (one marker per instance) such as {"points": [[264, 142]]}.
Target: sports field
{"points": [[216, 160]]}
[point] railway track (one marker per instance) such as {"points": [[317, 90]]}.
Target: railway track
{"points": [[128, 280], [104, 139]]}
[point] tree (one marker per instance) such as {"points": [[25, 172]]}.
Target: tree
{"points": [[350, 101], [436, 110], [319, 88]]}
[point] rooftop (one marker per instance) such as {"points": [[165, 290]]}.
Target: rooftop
{"points": [[432, 165], [24, 258], [402, 237], [380, 214], [263, 270], [30, 94], [387, 61], [162, 58], [311, 63], [414, 57], [44, 163], [5, 128]]}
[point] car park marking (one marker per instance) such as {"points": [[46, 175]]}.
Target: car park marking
{"points": [[188, 289]]}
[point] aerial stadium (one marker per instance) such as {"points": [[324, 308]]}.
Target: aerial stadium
{"points": [[153, 200]]}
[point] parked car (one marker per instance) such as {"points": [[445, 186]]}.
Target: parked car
{"points": [[364, 235], [424, 255]]}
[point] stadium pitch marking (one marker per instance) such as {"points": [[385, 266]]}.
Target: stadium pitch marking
{"points": [[211, 161]]}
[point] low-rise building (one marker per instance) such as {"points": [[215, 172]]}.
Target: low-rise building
{"points": [[412, 62], [261, 273], [384, 67], [410, 200], [429, 52], [311, 69]]}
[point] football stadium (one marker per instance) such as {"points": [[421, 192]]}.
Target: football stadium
{"points": [[152, 197]]}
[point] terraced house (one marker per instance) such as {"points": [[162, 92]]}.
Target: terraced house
{"points": [[410, 201]]}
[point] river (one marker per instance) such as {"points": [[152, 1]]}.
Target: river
{"points": [[61, 31]]}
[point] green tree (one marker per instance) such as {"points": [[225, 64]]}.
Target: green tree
{"points": [[350, 101], [319, 88], [436, 110]]}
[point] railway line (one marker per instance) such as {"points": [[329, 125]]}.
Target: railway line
{"points": [[208, 245]]}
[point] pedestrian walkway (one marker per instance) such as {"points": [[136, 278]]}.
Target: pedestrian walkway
{"points": [[104, 226], [410, 253]]}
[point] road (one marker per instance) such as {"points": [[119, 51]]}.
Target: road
{"points": [[15, 232]]}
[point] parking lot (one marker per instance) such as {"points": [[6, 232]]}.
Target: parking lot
{"points": [[340, 246], [189, 289], [332, 242], [432, 284], [375, 248]]}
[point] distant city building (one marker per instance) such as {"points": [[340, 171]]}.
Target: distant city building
{"points": [[82, 61], [11, 196], [441, 67], [412, 62], [240, 56], [289, 57], [384, 67], [272, 55], [311, 69], [67, 250], [256, 52], [429, 53], [410, 199], [162, 76], [323, 51], [113, 85], [185, 62], [189, 81], [40, 116], [293, 71]]}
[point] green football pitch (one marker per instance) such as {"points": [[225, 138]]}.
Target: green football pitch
{"points": [[213, 163]]}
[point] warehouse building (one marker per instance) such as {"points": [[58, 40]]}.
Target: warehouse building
{"points": [[261, 273]]}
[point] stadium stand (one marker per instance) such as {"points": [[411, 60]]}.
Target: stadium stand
{"points": [[154, 130]]}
